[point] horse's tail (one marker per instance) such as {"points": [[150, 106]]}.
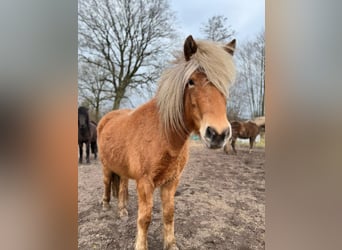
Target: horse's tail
{"points": [[115, 185]]}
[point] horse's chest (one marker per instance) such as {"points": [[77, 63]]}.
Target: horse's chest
{"points": [[169, 167]]}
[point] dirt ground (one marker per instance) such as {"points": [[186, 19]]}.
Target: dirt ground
{"points": [[220, 205]]}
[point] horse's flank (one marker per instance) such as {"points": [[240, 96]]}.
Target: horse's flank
{"points": [[244, 130], [134, 137]]}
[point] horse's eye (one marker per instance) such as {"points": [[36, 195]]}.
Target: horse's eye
{"points": [[191, 83]]}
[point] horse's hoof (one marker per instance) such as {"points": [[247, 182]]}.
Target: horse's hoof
{"points": [[141, 247], [105, 205], [88, 161], [123, 213], [172, 247]]}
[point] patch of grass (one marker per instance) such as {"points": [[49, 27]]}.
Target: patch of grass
{"points": [[261, 143]]}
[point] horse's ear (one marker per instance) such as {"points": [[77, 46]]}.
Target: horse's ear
{"points": [[190, 47], [230, 47]]}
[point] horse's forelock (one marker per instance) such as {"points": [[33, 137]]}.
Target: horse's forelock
{"points": [[83, 111], [210, 58]]}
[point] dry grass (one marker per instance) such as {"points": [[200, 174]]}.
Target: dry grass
{"points": [[259, 144]]}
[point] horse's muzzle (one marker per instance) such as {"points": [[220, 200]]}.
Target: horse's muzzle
{"points": [[215, 139]]}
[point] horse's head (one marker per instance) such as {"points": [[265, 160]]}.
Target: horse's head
{"points": [[83, 118], [205, 104], [82, 121]]}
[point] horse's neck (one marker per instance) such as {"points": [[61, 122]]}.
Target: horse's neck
{"points": [[84, 131], [177, 140]]}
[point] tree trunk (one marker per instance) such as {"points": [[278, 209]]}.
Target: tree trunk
{"points": [[263, 81], [117, 101], [120, 93]]}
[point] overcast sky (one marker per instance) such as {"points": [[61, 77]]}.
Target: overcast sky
{"points": [[247, 17]]}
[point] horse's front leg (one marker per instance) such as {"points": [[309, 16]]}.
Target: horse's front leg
{"points": [[167, 193], [81, 152], [145, 194], [87, 152]]}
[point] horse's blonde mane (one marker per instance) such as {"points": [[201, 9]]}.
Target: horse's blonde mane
{"points": [[210, 58]]}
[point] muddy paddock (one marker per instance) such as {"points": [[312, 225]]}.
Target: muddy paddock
{"points": [[220, 204]]}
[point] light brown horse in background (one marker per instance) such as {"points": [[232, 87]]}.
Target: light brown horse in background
{"points": [[244, 130], [150, 144]]}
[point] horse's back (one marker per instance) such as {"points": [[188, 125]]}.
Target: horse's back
{"points": [[253, 128], [93, 131], [110, 118], [244, 130]]}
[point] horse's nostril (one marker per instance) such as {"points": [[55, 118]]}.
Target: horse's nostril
{"points": [[216, 139], [210, 132]]}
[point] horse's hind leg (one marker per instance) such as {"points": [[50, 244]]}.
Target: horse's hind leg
{"points": [[145, 194], [93, 146], [167, 193], [81, 152], [123, 197], [95, 150], [107, 179], [87, 152]]}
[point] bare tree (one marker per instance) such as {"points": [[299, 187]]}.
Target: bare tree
{"points": [[260, 45], [125, 39], [251, 73], [217, 29], [237, 102], [94, 91]]}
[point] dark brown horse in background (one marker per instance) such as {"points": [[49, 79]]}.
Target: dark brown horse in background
{"points": [[86, 134], [244, 130]]}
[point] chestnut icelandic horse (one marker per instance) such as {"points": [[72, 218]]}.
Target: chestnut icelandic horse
{"points": [[150, 144], [244, 130]]}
